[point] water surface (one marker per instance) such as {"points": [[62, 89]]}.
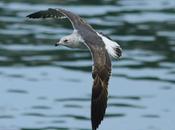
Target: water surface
{"points": [[47, 88]]}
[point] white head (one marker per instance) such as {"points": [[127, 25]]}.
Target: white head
{"points": [[66, 41], [73, 40]]}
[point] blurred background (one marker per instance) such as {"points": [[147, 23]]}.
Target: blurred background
{"points": [[43, 87]]}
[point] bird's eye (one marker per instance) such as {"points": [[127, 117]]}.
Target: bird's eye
{"points": [[65, 40]]}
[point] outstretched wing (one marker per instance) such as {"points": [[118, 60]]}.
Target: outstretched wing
{"points": [[101, 74], [59, 14], [102, 63]]}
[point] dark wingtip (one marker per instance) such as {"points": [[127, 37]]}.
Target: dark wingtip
{"points": [[33, 15], [40, 14], [118, 51], [50, 13], [29, 16]]}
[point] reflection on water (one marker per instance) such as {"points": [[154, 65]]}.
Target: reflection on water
{"points": [[44, 87]]}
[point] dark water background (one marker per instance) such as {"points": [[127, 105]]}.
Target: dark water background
{"points": [[47, 88]]}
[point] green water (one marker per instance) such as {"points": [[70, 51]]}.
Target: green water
{"points": [[43, 87]]}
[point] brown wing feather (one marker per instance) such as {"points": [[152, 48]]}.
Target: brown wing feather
{"points": [[101, 74]]}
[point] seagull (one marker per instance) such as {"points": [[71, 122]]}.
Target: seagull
{"points": [[101, 48]]}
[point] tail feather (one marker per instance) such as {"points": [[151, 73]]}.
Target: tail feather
{"points": [[118, 51], [112, 47]]}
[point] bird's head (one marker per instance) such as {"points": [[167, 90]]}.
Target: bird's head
{"points": [[73, 40], [65, 41]]}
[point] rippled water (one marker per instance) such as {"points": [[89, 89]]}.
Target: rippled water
{"points": [[47, 88]]}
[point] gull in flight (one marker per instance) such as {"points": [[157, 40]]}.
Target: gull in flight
{"points": [[100, 46]]}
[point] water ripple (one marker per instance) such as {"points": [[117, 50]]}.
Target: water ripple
{"points": [[45, 87]]}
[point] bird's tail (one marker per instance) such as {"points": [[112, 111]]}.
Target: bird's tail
{"points": [[112, 47]]}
